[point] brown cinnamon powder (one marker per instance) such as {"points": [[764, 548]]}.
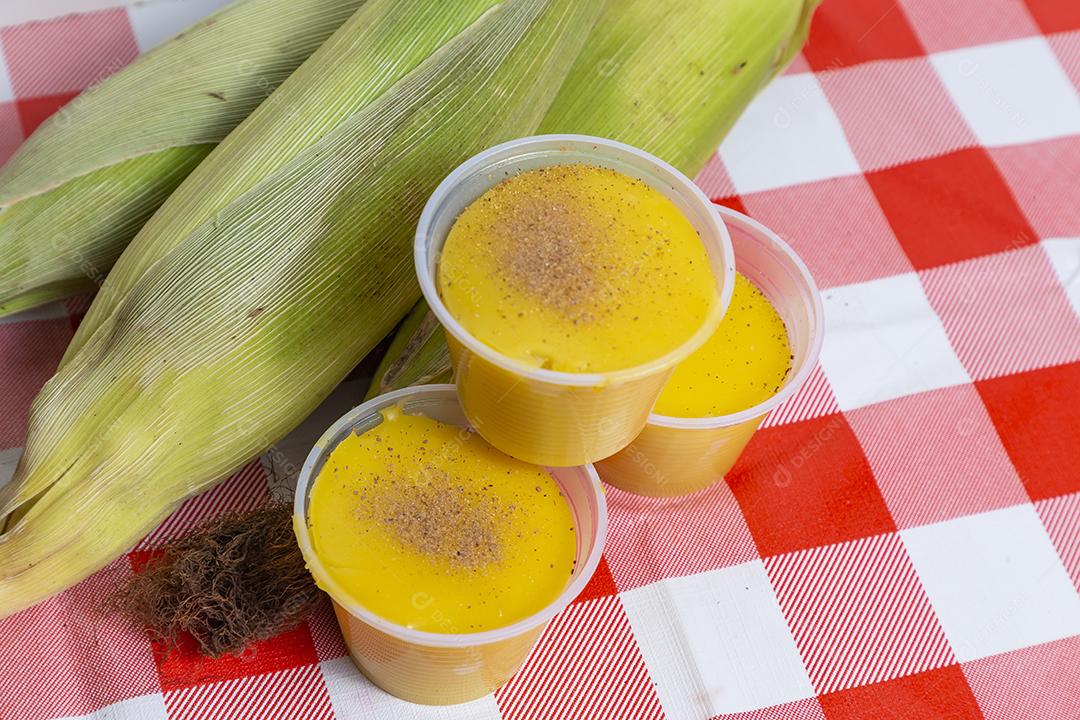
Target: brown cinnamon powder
{"points": [[439, 517], [551, 239]]}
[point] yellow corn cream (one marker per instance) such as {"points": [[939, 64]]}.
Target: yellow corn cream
{"points": [[428, 526], [744, 363], [576, 268]]}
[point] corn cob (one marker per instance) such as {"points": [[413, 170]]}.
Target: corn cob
{"points": [[668, 78], [240, 330], [82, 185], [356, 65]]}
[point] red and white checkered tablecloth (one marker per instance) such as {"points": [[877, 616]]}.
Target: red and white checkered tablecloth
{"points": [[902, 540]]}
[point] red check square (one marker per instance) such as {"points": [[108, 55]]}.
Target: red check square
{"points": [[807, 484], [36, 110], [325, 631], [1036, 683], [950, 208], [587, 665], [836, 226], [11, 132], [67, 656], [656, 538], [1041, 176], [67, 54], [814, 399], [714, 179], [941, 693], [29, 354], [847, 32], [184, 666], [858, 613], [895, 112], [1066, 47], [936, 456], [1038, 419], [1004, 313], [1061, 516], [601, 584], [734, 202], [805, 709], [963, 23], [1054, 16], [297, 693]]}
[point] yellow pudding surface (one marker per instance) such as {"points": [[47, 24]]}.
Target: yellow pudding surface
{"points": [[576, 268], [744, 363], [427, 525]]}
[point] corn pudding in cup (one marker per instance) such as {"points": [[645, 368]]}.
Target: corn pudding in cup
{"points": [[572, 274], [444, 558], [684, 453]]}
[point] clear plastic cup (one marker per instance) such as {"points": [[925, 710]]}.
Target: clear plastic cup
{"points": [[443, 668], [677, 456], [541, 416]]}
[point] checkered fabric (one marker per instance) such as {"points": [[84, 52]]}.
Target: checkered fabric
{"points": [[901, 540]]}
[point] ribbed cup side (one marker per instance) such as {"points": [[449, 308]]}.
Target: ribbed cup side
{"points": [[433, 675], [664, 461], [549, 424]]}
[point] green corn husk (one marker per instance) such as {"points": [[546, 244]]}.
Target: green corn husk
{"points": [[670, 79], [83, 184], [239, 331], [356, 65], [418, 354]]}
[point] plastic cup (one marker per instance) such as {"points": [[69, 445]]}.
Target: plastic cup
{"points": [[547, 417], [678, 456], [443, 668]]}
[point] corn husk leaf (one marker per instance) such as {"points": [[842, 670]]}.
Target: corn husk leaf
{"points": [[418, 354], [668, 78], [246, 325], [80, 187], [356, 65]]}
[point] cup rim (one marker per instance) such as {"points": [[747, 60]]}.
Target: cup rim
{"points": [[679, 183], [813, 351], [323, 446]]}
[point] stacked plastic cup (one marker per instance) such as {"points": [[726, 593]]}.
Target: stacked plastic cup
{"points": [[677, 456], [563, 421], [543, 416], [443, 668]]}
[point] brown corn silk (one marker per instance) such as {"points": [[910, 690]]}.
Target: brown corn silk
{"points": [[227, 583]]}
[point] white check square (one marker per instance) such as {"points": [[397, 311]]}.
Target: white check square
{"points": [[154, 23], [6, 93], [883, 340], [788, 135], [1010, 92], [144, 707], [354, 696], [717, 643], [1064, 254], [9, 459], [995, 581]]}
